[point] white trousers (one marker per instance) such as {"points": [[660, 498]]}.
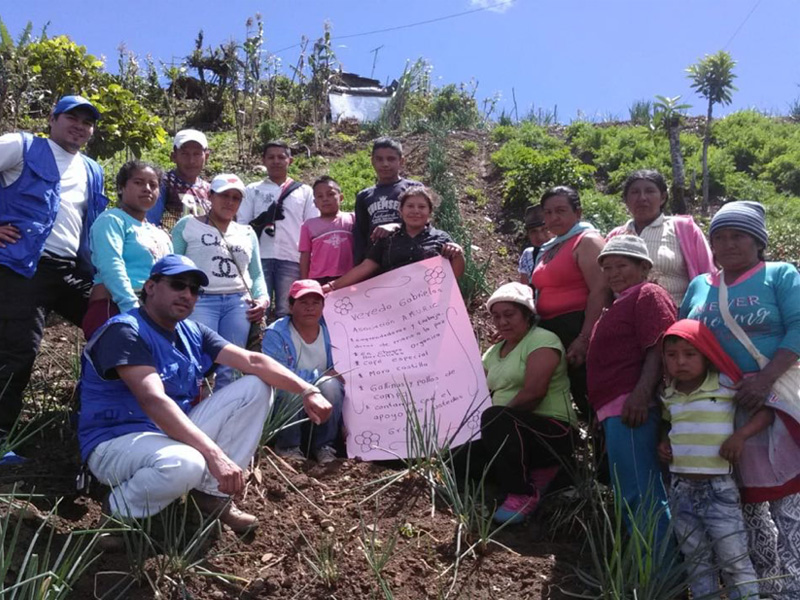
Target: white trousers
{"points": [[149, 470]]}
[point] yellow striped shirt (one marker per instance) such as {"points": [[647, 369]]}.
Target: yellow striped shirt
{"points": [[701, 422]]}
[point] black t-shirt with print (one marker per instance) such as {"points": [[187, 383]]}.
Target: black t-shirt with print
{"points": [[400, 249]]}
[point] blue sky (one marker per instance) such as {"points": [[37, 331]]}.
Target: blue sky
{"points": [[593, 56]]}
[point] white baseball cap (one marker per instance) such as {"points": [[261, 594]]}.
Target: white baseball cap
{"points": [[226, 181], [190, 135]]}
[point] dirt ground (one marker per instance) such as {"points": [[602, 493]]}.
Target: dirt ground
{"points": [[340, 511]]}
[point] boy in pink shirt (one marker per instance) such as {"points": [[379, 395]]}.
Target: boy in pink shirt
{"points": [[326, 242]]}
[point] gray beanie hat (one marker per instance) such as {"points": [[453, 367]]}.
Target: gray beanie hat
{"points": [[743, 215], [631, 246]]}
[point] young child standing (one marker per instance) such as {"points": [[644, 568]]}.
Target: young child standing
{"points": [[701, 447], [326, 242]]}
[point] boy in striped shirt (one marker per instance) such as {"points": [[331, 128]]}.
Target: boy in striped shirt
{"points": [[701, 447]]}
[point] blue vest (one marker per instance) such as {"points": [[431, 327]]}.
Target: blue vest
{"points": [[32, 201], [110, 410]]}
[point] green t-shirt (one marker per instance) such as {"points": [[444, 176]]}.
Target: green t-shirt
{"points": [[506, 376]]}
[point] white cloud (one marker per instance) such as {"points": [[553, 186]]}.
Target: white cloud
{"points": [[498, 6]]}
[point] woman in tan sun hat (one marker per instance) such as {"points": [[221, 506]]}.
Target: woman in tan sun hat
{"points": [[623, 372]]}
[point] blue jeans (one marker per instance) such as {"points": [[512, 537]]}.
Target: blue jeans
{"points": [[636, 472], [321, 435], [225, 314], [708, 522], [279, 276]]}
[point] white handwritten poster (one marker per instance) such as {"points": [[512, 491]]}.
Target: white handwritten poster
{"points": [[404, 339]]}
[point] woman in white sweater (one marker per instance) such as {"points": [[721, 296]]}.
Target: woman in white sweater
{"points": [[227, 252]]}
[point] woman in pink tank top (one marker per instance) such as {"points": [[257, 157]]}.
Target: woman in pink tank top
{"points": [[570, 287]]}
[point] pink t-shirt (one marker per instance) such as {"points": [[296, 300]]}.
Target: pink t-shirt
{"points": [[330, 244]]}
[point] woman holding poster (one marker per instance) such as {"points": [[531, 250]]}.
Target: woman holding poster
{"points": [[531, 423], [414, 241]]}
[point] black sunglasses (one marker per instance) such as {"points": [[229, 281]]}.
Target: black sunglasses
{"points": [[179, 285]]}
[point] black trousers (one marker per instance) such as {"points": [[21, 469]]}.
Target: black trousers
{"points": [[523, 441], [567, 327], [60, 285]]}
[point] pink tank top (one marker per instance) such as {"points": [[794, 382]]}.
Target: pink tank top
{"points": [[559, 282]]}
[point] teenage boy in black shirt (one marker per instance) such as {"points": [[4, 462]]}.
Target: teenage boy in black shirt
{"points": [[378, 205]]}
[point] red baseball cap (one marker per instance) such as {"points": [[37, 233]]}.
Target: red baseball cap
{"points": [[301, 287]]}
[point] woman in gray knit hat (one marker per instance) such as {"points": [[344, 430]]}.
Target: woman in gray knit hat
{"points": [[751, 298]]}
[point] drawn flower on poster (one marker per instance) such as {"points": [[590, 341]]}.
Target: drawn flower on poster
{"points": [[474, 422], [343, 306], [368, 440], [434, 276]]}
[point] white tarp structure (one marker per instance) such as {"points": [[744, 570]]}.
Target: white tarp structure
{"points": [[358, 98], [363, 109]]}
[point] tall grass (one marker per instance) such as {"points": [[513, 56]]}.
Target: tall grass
{"points": [[448, 214], [167, 549], [49, 565]]}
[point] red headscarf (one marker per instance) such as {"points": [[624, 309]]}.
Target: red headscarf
{"points": [[700, 336]]}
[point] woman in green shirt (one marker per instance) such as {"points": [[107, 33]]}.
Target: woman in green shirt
{"points": [[530, 424]]}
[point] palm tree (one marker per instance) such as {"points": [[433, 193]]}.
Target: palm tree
{"points": [[667, 115], [712, 77]]}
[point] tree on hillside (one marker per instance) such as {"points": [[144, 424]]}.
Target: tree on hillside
{"points": [[667, 115], [712, 77]]}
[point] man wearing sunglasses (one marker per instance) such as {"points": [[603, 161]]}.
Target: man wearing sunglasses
{"points": [[143, 428]]}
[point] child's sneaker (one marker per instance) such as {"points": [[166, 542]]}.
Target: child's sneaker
{"points": [[325, 455], [515, 508]]}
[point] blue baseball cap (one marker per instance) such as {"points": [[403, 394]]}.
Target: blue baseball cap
{"points": [[68, 103], [176, 264]]}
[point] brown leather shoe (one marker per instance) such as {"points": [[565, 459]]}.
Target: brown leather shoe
{"points": [[223, 508]]}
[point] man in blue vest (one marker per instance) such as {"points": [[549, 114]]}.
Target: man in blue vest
{"points": [[50, 194], [144, 428]]}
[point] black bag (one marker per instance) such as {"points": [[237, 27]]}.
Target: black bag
{"points": [[265, 222]]}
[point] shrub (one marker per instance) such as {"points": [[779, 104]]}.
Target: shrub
{"points": [[603, 211], [527, 133], [641, 112], [455, 107], [585, 138], [477, 195], [469, 147], [528, 171], [740, 186], [751, 139], [503, 133], [794, 110], [784, 172], [268, 130], [784, 240], [354, 172]]}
